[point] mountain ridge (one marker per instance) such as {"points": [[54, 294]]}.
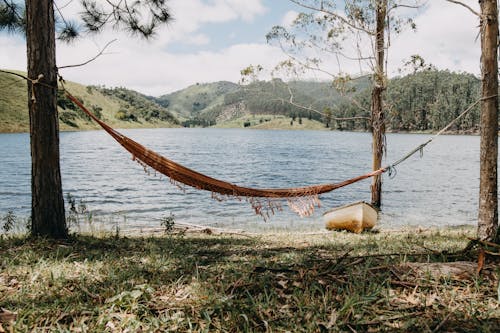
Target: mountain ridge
{"points": [[422, 101]]}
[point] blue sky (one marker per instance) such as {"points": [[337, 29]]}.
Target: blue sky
{"points": [[224, 34], [213, 40]]}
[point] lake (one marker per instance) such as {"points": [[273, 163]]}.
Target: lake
{"points": [[438, 189]]}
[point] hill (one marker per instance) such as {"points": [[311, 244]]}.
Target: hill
{"points": [[222, 103], [423, 101], [120, 108], [194, 100]]}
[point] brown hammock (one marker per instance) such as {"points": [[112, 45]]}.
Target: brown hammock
{"points": [[301, 200]]}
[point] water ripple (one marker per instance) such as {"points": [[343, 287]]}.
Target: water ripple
{"points": [[439, 189]]}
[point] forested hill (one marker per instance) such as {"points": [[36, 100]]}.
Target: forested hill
{"points": [[425, 101], [222, 102]]}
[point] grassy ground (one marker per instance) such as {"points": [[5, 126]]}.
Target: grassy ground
{"points": [[272, 122], [204, 282]]}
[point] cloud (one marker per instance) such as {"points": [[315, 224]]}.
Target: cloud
{"points": [[161, 72], [288, 18], [13, 55], [191, 15], [198, 39], [446, 37]]}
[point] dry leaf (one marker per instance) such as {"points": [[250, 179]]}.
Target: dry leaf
{"points": [[7, 316], [480, 261]]}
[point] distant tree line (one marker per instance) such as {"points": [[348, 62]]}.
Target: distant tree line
{"points": [[137, 106], [424, 101]]}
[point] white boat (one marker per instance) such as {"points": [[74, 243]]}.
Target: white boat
{"points": [[354, 217]]}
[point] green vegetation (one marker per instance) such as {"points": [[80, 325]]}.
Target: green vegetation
{"points": [[208, 282], [424, 101], [135, 106], [14, 113], [13, 104], [266, 121], [194, 100]]}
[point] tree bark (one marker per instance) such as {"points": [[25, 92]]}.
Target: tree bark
{"points": [[488, 196], [377, 112], [47, 207]]}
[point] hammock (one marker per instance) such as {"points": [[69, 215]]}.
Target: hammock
{"points": [[301, 200]]}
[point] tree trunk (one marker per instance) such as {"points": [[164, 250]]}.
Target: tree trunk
{"points": [[47, 206], [488, 198], [377, 112]]}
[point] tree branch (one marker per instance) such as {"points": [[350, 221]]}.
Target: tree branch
{"points": [[464, 5], [92, 59], [13, 9], [340, 17]]}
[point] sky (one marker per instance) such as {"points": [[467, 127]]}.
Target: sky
{"points": [[212, 40]]}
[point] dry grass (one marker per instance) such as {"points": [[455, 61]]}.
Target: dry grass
{"points": [[233, 283]]}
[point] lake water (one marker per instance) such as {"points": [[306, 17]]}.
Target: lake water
{"points": [[439, 189]]}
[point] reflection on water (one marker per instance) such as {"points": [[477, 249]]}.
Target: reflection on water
{"points": [[441, 188]]}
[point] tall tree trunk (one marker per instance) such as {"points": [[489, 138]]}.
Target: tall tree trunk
{"points": [[47, 206], [488, 198], [377, 112]]}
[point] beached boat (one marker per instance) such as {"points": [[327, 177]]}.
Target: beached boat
{"points": [[354, 217]]}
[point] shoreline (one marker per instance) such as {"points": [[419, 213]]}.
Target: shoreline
{"points": [[97, 128]]}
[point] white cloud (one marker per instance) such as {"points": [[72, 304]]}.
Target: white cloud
{"points": [[446, 37], [156, 72], [13, 55], [198, 39], [190, 15], [288, 18]]}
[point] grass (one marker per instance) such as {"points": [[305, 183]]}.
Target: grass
{"points": [[204, 282], [272, 122], [14, 115]]}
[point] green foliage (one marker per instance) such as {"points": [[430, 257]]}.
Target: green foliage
{"points": [[12, 16], [9, 221], [136, 105], [126, 115], [77, 212], [68, 118], [139, 18], [424, 101], [168, 223], [193, 101]]}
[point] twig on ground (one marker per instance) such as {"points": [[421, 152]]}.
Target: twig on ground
{"points": [[445, 319]]}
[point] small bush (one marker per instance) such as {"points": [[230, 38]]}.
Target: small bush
{"points": [[8, 221], [168, 222], [68, 118]]}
